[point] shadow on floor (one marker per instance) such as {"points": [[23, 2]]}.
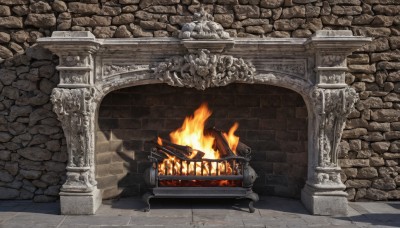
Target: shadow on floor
{"points": [[161, 203], [395, 205], [28, 206], [282, 205], [375, 219], [266, 203]]}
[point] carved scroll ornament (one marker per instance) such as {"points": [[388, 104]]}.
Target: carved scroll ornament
{"points": [[204, 70], [332, 106]]}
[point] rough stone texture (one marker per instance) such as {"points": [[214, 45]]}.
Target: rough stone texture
{"points": [[367, 173], [28, 74], [8, 193], [11, 22]]}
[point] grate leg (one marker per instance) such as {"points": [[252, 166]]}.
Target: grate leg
{"points": [[252, 197], [146, 198]]}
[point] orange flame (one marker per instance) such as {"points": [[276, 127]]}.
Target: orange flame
{"points": [[191, 134], [232, 139], [159, 141]]}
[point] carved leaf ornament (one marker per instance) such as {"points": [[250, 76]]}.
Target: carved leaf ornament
{"points": [[203, 70]]}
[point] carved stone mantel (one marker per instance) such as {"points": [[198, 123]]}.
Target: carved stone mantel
{"points": [[315, 68]]}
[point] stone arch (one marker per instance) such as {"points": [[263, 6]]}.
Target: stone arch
{"points": [[144, 77], [280, 79], [274, 122]]}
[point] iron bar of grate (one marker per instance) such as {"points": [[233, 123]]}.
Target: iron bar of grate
{"points": [[180, 161], [226, 165], [193, 177], [217, 169]]}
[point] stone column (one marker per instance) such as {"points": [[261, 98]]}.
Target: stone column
{"points": [[332, 100], [74, 102]]}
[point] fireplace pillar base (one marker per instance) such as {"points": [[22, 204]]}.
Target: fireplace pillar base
{"points": [[80, 203], [325, 202]]}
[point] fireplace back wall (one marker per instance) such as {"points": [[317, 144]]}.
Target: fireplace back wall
{"points": [[272, 121]]}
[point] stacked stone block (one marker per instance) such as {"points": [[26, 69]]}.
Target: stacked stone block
{"points": [[32, 148], [32, 140]]}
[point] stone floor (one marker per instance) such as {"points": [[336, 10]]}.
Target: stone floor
{"points": [[126, 212]]}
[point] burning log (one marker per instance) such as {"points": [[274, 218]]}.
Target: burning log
{"points": [[158, 156], [243, 150], [179, 155], [220, 142], [187, 150], [184, 149], [199, 155], [181, 152]]}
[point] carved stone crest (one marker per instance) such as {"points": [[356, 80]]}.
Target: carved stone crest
{"points": [[203, 27], [204, 66], [204, 70]]}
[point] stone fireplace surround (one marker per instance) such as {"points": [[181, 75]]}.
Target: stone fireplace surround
{"points": [[315, 68]]}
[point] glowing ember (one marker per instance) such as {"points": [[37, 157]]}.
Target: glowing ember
{"points": [[192, 134]]}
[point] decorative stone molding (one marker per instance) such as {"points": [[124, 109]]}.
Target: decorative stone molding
{"points": [[111, 70], [315, 68], [204, 70], [331, 107]]}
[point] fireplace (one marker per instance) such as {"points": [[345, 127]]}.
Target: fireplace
{"points": [[315, 68]]}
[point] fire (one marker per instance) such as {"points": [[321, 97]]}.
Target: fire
{"points": [[159, 141], [192, 134], [232, 139]]}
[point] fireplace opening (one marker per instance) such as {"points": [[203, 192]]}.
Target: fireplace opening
{"points": [[272, 122], [199, 157]]}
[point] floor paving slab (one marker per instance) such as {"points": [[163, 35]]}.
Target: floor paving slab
{"points": [[35, 220], [161, 221], [127, 212], [96, 220]]}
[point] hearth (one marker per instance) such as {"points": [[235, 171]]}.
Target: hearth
{"points": [[206, 163]]}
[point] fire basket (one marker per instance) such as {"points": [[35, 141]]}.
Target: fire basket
{"points": [[179, 171]]}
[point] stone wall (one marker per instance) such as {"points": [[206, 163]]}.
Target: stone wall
{"points": [[272, 121], [32, 149]]}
